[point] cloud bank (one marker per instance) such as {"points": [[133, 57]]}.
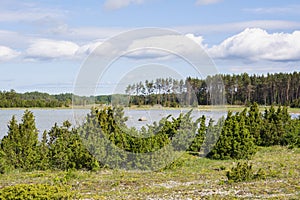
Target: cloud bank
{"points": [[155, 46], [256, 44], [250, 45]]}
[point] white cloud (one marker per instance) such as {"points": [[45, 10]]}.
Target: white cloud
{"points": [[240, 26], [207, 2], [88, 48], [164, 46], [83, 35], [117, 4], [252, 44], [44, 49], [103, 33], [7, 53], [198, 39], [256, 44]]}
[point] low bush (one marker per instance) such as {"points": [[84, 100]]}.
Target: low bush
{"points": [[243, 171], [36, 191]]}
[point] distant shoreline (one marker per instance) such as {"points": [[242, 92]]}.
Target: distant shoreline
{"points": [[199, 108]]}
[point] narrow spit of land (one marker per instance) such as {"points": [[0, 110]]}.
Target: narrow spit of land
{"points": [[199, 108]]}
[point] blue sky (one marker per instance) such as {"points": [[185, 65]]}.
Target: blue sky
{"points": [[43, 44]]}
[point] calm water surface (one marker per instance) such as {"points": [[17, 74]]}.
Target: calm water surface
{"points": [[46, 118]]}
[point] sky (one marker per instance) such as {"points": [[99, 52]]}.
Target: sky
{"points": [[44, 44]]}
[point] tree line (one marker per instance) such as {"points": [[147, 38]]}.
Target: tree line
{"points": [[242, 89], [104, 140], [12, 99]]}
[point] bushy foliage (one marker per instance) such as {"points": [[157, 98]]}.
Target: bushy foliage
{"points": [[197, 143], [276, 124], [254, 122], [111, 141], [104, 138], [243, 171], [66, 150], [3, 163], [273, 127], [213, 132], [36, 191], [292, 135], [242, 132], [235, 141], [20, 146], [60, 148]]}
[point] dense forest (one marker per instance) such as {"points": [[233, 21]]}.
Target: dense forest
{"points": [[12, 99], [104, 140], [243, 89]]}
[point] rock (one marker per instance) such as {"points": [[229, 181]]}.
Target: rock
{"points": [[142, 119]]}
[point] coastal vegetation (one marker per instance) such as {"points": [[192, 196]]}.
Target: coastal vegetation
{"points": [[248, 153], [65, 147], [67, 158]]}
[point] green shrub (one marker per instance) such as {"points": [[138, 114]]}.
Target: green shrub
{"points": [[235, 141], [3, 165], [174, 165], [19, 146], [243, 171], [36, 191]]}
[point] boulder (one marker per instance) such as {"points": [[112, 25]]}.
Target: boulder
{"points": [[142, 119]]}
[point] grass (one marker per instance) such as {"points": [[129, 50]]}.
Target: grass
{"points": [[294, 110], [197, 178]]}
